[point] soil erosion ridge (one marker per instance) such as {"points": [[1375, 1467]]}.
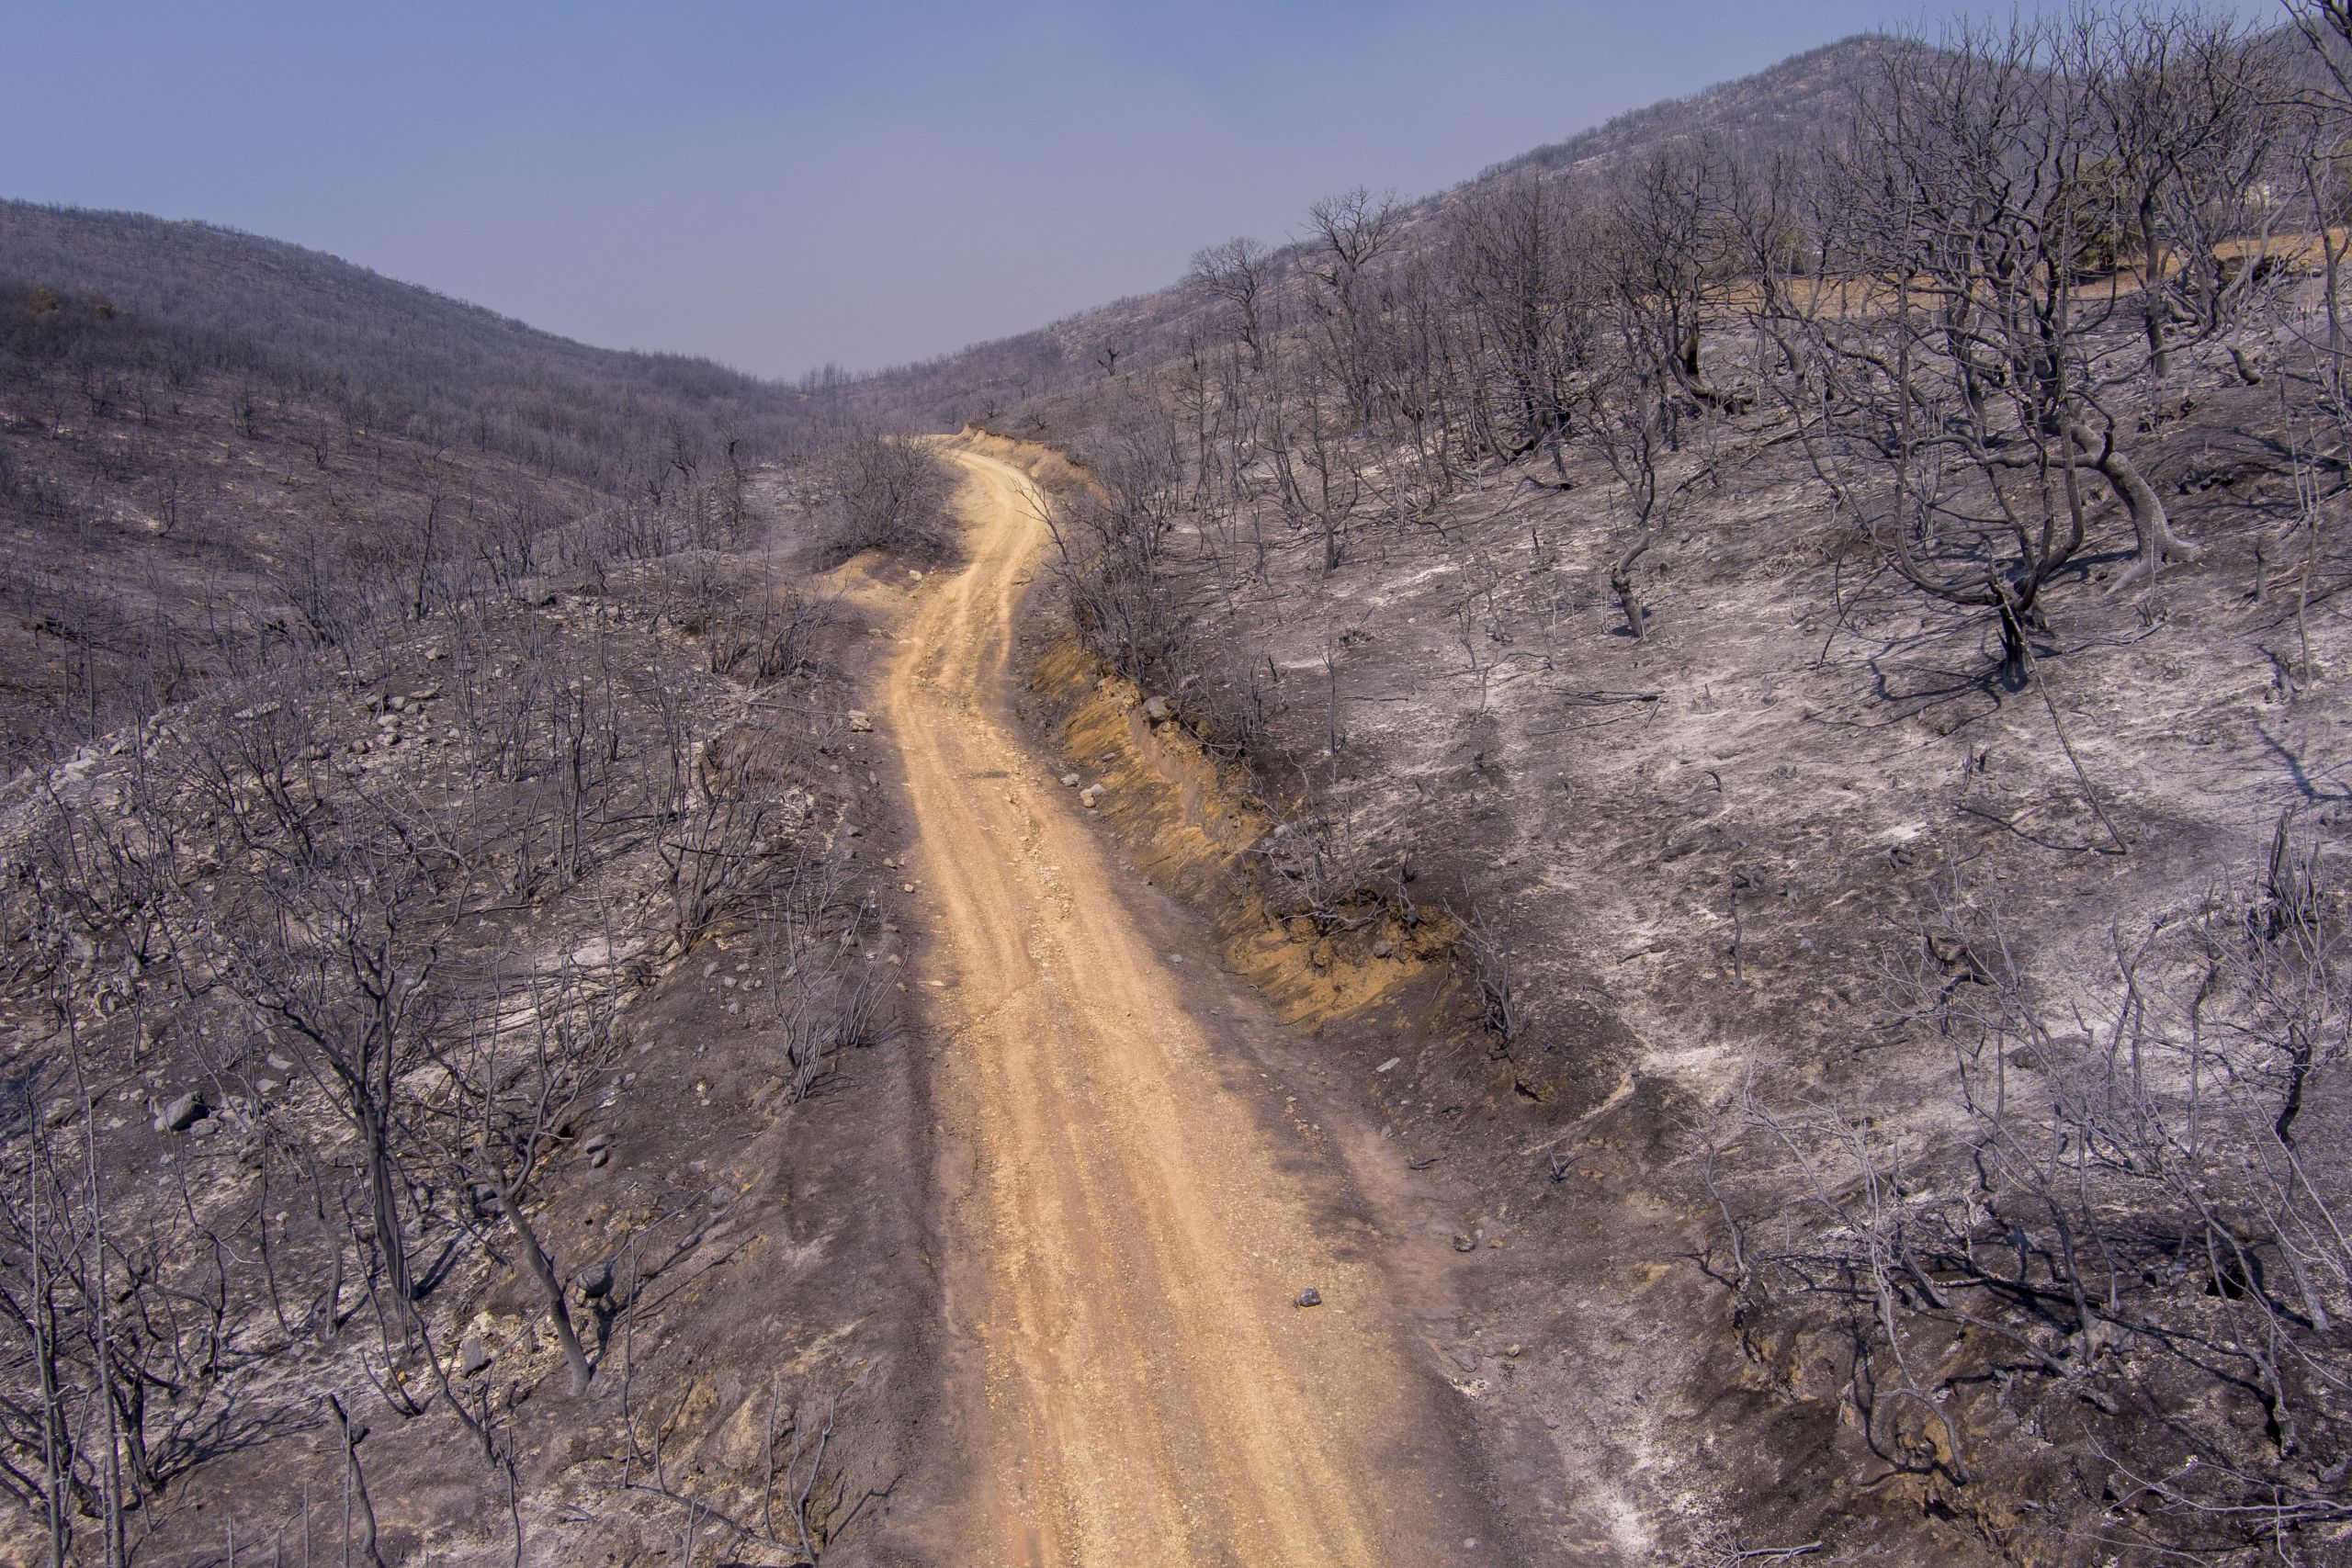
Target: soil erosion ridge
{"points": [[1132, 1248]]}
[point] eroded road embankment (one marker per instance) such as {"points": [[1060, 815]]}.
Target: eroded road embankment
{"points": [[1132, 1246]]}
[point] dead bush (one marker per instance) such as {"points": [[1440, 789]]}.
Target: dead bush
{"points": [[2123, 1218]]}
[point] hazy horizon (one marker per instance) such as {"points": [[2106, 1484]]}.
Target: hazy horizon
{"points": [[783, 186]]}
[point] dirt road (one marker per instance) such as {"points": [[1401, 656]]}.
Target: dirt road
{"points": [[1155, 1397]]}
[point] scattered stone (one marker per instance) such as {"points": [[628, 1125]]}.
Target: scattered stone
{"points": [[259, 710], [267, 1086], [1090, 796], [1465, 1243], [61, 1111], [596, 1141], [1382, 950], [600, 1160], [1157, 710], [280, 1063], [1387, 1064], [1310, 1297], [859, 724], [185, 1113], [597, 1282], [1070, 780], [473, 1356], [204, 1129]]}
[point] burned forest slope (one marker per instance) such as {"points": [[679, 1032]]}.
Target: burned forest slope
{"points": [[455, 1104], [213, 446]]}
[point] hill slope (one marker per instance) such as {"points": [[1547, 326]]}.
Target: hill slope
{"points": [[1874, 762], [436, 961], [200, 429], [1006, 381]]}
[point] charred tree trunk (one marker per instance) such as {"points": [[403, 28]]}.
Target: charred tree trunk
{"points": [[2150, 522], [534, 1258], [357, 1480], [1621, 581]]}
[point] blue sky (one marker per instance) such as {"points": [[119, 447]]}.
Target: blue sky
{"points": [[778, 185]]}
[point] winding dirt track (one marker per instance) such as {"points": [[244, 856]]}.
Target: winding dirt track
{"points": [[1154, 1396]]}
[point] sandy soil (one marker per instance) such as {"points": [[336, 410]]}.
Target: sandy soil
{"points": [[1135, 1232]]}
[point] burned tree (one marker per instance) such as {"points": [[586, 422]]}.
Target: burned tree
{"points": [[1969, 370]]}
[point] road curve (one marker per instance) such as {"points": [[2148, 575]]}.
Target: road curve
{"points": [[1132, 1252]]}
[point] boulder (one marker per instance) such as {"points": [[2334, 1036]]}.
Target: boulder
{"points": [[184, 1113]]}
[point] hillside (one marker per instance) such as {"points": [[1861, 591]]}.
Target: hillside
{"points": [[387, 356], [1782, 107], [1009, 380], [211, 444], [425, 737], [1870, 771]]}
